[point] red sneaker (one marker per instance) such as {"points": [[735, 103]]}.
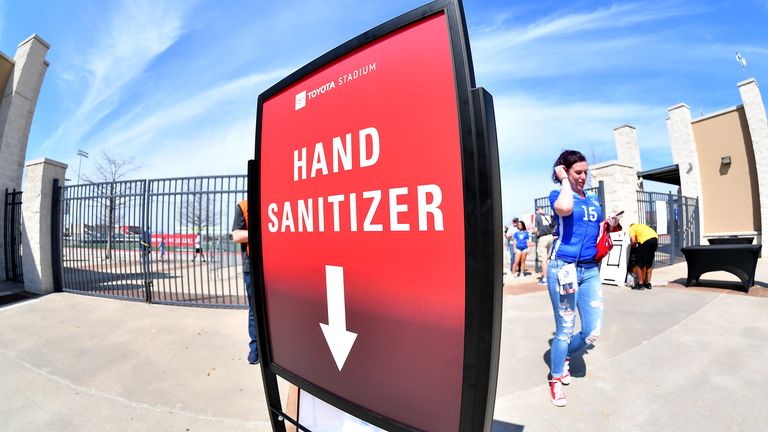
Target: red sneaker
{"points": [[556, 393]]}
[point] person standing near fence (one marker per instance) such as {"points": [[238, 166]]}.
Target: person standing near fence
{"points": [[542, 229], [521, 249], [644, 242], [240, 235], [199, 247], [573, 276]]}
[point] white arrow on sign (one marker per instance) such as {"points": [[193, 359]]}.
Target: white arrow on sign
{"points": [[339, 340]]}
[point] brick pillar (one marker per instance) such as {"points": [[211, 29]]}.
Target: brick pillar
{"points": [[16, 110], [686, 156], [627, 151], [620, 182], [758, 130], [36, 229]]}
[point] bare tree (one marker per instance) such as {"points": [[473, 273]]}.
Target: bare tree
{"points": [[112, 194], [596, 155], [198, 208]]}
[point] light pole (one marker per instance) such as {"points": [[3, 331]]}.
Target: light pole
{"points": [[81, 153]]}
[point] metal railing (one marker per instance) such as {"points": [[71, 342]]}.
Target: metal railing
{"points": [[161, 241], [675, 218], [14, 270]]}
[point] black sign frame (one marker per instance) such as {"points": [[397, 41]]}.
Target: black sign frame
{"points": [[482, 228]]}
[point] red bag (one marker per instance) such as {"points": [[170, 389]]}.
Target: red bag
{"points": [[604, 241]]}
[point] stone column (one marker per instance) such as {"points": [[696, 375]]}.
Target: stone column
{"points": [[16, 109], [36, 229], [620, 182], [627, 151], [686, 156], [758, 130]]}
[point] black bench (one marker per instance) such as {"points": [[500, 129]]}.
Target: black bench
{"points": [[737, 259], [730, 240]]}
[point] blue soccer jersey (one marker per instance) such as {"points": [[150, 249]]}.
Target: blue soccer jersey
{"points": [[577, 233], [521, 240]]}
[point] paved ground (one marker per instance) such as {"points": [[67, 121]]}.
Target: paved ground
{"points": [[673, 358]]}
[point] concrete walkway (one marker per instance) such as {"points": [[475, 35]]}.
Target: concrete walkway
{"points": [[672, 358]]}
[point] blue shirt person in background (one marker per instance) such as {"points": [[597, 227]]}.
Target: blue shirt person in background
{"points": [[521, 238], [509, 233]]}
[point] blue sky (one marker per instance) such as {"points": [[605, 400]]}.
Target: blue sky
{"points": [[173, 84]]}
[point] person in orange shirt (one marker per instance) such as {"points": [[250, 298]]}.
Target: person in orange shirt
{"points": [[240, 235], [644, 242]]}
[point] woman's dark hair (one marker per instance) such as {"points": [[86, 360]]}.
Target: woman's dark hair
{"points": [[567, 158], [523, 224]]}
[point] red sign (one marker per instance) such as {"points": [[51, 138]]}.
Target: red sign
{"points": [[174, 240], [363, 227]]}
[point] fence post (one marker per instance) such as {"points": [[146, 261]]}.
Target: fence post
{"points": [[5, 242], [56, 255], [697, 238], [37, 218], [146, 236], [672, 223], [601, 195], [11, 248]]}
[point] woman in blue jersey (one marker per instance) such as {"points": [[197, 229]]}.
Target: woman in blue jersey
{"points": [[573, 275], [521, 249]]}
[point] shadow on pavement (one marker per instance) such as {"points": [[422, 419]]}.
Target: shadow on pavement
{"points": [[725, 285], [500, 426], [578, 367], [16, 298]]}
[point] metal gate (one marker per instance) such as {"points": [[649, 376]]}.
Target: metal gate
{"points": [[675, 218], [161, 241], [14, 270]]}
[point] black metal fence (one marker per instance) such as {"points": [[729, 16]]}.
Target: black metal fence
{"points": [[161, 241], [675, 218], [14, 270]]}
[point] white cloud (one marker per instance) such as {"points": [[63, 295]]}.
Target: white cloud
{"points": [[221, 149], [134, 35], [556, 124], [612, 17], [532, 132], [605, 39], [187, 116]]}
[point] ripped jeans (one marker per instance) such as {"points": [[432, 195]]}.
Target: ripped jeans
{"points": [[587, 300]]}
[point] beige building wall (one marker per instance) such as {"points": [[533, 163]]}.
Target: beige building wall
{"points": [[6, 69], [731, 189]]}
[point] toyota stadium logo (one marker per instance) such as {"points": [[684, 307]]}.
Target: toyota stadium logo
{"points": [[301, 100]]}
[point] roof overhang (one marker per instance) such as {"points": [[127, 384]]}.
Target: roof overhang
{"points": [[668, 174]]}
